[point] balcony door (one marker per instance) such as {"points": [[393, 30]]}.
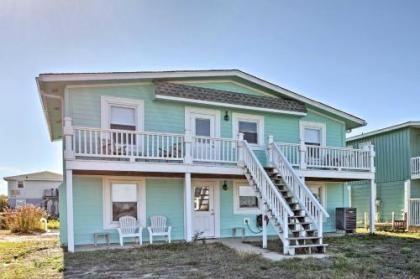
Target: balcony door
{"points": [[203, 124]]}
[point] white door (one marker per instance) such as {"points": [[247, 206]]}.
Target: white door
{"points": [[203, 125], [203, 209]]}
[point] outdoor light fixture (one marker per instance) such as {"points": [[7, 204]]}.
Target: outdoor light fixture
{"points": [[226, 116], [224, 186]]}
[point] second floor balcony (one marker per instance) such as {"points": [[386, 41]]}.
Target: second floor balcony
{"points": [[415, 167], [142, 147]]}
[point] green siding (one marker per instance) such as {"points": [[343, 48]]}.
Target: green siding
{"points": [[392, 155], [63, 213], [360, 192]]}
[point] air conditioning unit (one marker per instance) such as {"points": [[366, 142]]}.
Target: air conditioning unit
{"points": [[345, 219]]}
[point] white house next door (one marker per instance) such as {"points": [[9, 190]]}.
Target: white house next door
{"points": [[203, 207]]}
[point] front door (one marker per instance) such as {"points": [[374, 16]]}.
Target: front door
{"points": [[203, 209]]}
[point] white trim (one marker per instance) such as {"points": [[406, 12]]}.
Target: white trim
{"points": [[216, 201], [106, 199], [236, 117], [407, 194], [313, 125], [220, 104], [107, 102], [197, 73], [243, 211], [356, 175], [101, 85], [384, 130], [213, 112]]}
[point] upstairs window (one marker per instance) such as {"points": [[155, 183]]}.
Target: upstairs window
{"points": [[251, 126], [250, 131], [312, 136], [202, 127], [123, 118], [20, 184]]}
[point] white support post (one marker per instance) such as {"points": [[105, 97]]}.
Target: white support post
{"points": [[372, 206], [240, 150], [188, 207], [69, 207], [264, 231], [392, 219], [285, 233], [372, 158], [68, 133], [302, 151], [320, 228], [270, 150], [188, 147]]}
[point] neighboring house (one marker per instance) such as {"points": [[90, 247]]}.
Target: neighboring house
{"points": [[397, 165], [191, 145], [38, 188]]}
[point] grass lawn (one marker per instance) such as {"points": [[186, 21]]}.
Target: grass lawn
{"points": [[385, 255]]}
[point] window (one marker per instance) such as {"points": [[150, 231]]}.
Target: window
{"points": [[251, 126], [250, 131], [123, 118], [20, 184], [123, 197], [202, 198], [20, 203], [312, 136], [124, 200], [313, 133], [245, 199], [202, 127]]}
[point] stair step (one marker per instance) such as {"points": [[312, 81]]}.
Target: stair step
{"points": [[301, 223], [308, 230], [304, 238], [308, 245]]}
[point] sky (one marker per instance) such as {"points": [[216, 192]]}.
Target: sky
{"points": [[360, 56]]}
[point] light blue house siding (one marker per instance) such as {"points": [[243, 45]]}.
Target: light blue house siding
{"points": [[164, 196]]}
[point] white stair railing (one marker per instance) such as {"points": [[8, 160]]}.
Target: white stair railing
{"points": [[301, 192], [269, 192]]}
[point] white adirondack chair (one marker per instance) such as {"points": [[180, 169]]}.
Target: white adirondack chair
{"points": [[158, 228], [128, 228]]}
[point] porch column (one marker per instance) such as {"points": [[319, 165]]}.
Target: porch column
{"points": [[302, 154], [372, 206], [187, 207], [69, 207]]}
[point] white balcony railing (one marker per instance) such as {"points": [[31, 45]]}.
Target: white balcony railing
{"points": [[415, 166], [206, 149], [324, 157]]}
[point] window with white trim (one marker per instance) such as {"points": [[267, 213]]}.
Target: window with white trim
{"points": [[122, 113], [251, 126], [122, 118], [313, 133], [245, 199], [123, 197], [20, 184]]}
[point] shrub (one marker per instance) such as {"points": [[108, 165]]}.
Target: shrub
{"points": [[53, 224], [3, 203], [25, 219]]}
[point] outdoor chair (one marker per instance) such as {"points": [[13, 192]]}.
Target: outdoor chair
{"points": [[158, 228], [128, 228]]}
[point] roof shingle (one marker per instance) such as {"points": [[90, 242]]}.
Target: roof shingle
{"points": [[227, 97]]}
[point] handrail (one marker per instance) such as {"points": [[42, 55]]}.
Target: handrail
{"points": [[259, 173], [298, 187], [415, 165]]}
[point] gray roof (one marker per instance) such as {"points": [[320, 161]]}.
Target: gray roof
{"points": [[227, 97], [37, 176], [408, 124]]}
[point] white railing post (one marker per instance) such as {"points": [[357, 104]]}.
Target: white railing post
{"points": [[285, 233], [188, 147], [302, 151], [68, 133], [270, 151], [241, 162]]}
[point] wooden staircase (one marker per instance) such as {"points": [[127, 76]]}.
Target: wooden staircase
{"points": [[303, 236]]}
